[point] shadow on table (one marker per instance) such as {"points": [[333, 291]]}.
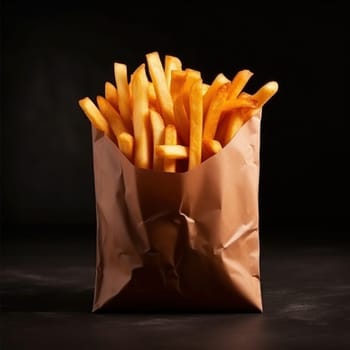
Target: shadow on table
{"points": [[69, 290]]}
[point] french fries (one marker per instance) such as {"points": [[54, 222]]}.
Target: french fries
{"points": [[140, 118], [164, 117], [219, 80], [171, 63], [214, 112], [112, 116], [157, 127], [210, 148], [111, 95], [196, 124], [126, 145], [121, 78], [160, 84], [94, 115], [170, 138]]}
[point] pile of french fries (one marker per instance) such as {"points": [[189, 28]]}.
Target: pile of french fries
{"points": [[164, 117]]}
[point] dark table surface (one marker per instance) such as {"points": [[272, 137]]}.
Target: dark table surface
{"points": [[47, 288]]}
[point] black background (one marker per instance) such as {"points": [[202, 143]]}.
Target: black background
{"points": [[56, 53]]}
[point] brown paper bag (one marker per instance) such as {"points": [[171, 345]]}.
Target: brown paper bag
{"points": [[179, 241]]}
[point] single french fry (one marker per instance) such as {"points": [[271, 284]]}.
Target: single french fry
{"points": [[265, 93], [157, 74], [234, 122], [196, 125], [130, 86], [112, 116], [243, 100], [111, 95], [171, 63], [124, 101], [191, 77], [94, 115], [238, 82], [222, 126], [219, 80], [178, 78], [142, 152], [211, 119], [181, 121], [205, 88], [152, 97], [170, 138], [195, 71], [177, 88], [126, 145], [157, 126], [210, 148], [172, 151]]}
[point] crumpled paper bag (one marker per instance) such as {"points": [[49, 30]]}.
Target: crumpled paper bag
{"points": [[184, 241]]}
